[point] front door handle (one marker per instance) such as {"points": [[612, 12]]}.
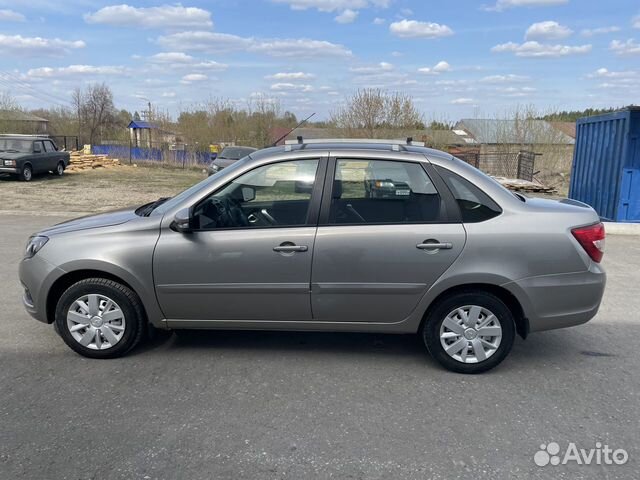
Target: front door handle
{"points": [[286, 248], [434, 246]]}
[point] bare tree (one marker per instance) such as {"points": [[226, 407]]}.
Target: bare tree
{"points": [[95, 110], [372, 112]]}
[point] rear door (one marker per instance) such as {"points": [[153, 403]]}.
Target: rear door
{"points": [[386, 234], [52, 155]]}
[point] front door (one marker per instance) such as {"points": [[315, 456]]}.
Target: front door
{"points": [[385, 240], [249, 256]]}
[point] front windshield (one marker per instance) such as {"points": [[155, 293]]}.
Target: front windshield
{"points": [[15, 145], [233, 153], [193, 190]]}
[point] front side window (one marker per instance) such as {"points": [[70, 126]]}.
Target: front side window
{"points": [[276, 195], [381, 191], [37, 147], [475, 205]]}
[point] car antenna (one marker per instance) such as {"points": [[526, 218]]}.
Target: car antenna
{"points": [[293, 129]]}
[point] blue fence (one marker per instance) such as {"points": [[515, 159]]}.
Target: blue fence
{"points": [[140, 154]]}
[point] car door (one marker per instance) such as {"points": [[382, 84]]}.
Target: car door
{"points": [[248, 257], [39, 161], [386, 234], [52, 155]]}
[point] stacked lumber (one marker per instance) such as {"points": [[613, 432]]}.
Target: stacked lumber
{"points": [[519, 185], [79, 161]]}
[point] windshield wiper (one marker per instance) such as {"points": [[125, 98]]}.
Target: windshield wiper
{"points": [[146, 209]]}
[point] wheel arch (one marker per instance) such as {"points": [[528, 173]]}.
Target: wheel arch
{"points": [[509, 299], [65, 281]]}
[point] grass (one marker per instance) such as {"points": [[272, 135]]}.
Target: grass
{"points": [[95, 190]]}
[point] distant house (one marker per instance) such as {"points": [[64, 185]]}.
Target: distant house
{"points": [[16, 121], [149, 134]]}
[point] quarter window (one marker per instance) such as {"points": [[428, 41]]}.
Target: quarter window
{"points": [[381, 191], [276, 195], [475, 205]]}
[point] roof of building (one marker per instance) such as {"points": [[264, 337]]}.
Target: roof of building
{"points": [[20, 116], [568, 128], [142, 124], [528, 131]]}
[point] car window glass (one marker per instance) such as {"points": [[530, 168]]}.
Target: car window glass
{"points": [[37, 147], [275, 195], [475, 205], [380, 191], [48, 146]]}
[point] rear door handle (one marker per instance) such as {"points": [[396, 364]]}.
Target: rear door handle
{"points": [[290, 248], [435, 246]]}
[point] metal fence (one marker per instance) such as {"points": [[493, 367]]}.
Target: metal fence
{"points": [[178, 155], [510, 165]]}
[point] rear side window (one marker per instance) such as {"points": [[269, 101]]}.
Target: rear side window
{"points": [[48, 146], [380, 191], [475, 205]]}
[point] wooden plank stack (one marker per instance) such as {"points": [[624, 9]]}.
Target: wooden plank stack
{"points": [[519, 185], [79, 161]]}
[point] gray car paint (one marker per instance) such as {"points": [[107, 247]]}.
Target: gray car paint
{"points": [[352, 278]]}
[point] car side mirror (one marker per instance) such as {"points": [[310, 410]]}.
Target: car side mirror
{"points": [[182, 222], [248, 194]]}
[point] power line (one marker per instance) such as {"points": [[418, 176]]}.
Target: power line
{"points": [[9, 81]]}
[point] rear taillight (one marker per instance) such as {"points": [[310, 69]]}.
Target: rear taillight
{"points": [[592, 240]]}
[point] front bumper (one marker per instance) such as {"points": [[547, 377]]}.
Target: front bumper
{"points": [[9, 169], [37, 277], [562, 300]]}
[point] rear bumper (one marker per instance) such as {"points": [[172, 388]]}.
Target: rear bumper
{"points": [[559, 301]]}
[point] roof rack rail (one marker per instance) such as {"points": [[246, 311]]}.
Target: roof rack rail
{"points": [[39, 135], [301, 141]]}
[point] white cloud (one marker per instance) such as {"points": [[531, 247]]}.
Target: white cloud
{"points": [[11, 16], [348, 16], [333, 5], [635, 21], [415, 29], [379, 21], [373, 70], [604, 73], [168, 94], [224, 42], [290, 76], [537, 50], [165, 16], [506, 4], [548, 30], [18, 45], [630, 47], [75, 70], [182, 60], [193, 77], [510, 78], [291, 87], [590, 32], [515, 91], [462, 101], [437, 69]]}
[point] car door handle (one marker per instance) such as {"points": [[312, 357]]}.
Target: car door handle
{"points": [[435, 246], [290, 248]]}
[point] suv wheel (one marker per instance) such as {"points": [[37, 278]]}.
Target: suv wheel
{"points": [[60, 169], [27, 173], [100, 318], [469, 332]]}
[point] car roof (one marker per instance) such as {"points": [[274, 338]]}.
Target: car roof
{"points": [[23, 137], [391, 147]]}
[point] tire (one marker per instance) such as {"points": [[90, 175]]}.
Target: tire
{"points": [[59, 169], [446, 325], [27, 173], [106, 338]]}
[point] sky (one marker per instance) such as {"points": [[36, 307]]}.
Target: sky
{"points": [[456, 58]]}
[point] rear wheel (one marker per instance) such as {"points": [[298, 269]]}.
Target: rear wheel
{"points": [[27, 173], [60, 169], [469, 332], [100, 318]]}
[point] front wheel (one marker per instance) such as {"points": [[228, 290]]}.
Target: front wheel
{"points": [[100, 318], [469, 332], [27, 173]]}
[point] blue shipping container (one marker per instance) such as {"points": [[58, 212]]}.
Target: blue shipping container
{"points": [[606, 164]]}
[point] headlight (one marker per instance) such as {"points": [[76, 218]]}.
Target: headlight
{"points": [[34, 245], [10, 163], [213, 167]]}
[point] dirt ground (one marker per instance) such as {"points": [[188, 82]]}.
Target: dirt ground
{"points": [[94, 190]]}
